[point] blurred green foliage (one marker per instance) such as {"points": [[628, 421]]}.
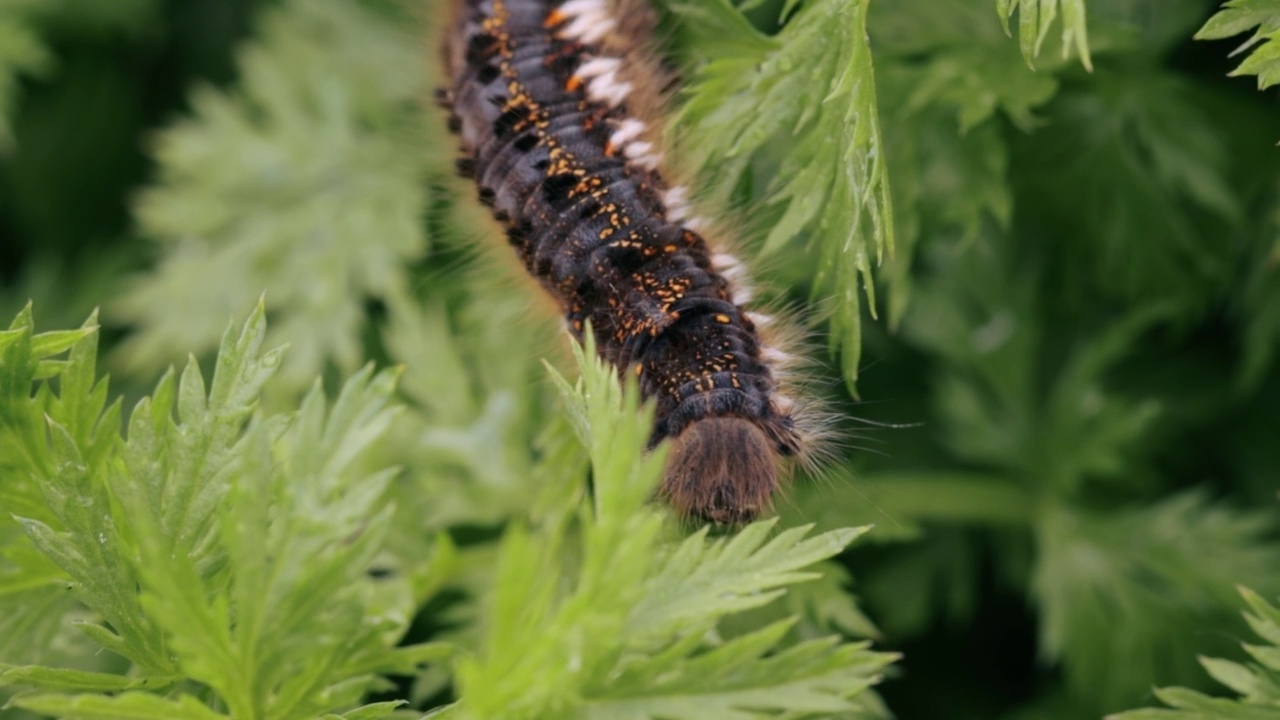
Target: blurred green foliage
{"points": [[1065, 437], [1257, 683]]}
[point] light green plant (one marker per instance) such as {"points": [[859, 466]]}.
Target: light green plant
{"points": [[1035, 18], [1261, 16], [831, 185], [307, 179], [602, 613], [1084, 311], [223, 555], [1258, 683]]}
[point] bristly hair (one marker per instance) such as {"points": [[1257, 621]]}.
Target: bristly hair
{"points": [[559, 106]]}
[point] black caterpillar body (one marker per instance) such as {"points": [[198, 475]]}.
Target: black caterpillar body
{"points": [[539, 96]]}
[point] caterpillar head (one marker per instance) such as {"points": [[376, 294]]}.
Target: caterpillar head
{"points": [[722, 469]]}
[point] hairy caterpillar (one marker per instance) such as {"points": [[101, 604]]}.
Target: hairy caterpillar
{"points": [[548, 98]]}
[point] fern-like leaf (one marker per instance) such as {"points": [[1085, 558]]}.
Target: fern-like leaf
{"points": [[1258, 683], [1169, 566], [1035, 18], [830, 185], [612, 621], [305, 181], [1261, 16], [162, 535]]}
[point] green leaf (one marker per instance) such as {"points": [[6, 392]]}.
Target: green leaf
{"points": [[594, 406], [1161, 188], [32, 618], [818, 608], [1233, 675], [176, 465], [305, 180], [62, 679], [322, 524], [736, 681], [371, 711], [468, 451], [1259, 684], [1168, 566], [295, 632], [125, 706], [1265, 618], [1012, 395], [82, 536], [614, 620], [830, 185], [1035, 18], [952, 55], [1238, 16], [405, 660], [701, 581]]}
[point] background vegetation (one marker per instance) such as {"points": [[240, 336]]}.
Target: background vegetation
{"points": [[1039, 243]]}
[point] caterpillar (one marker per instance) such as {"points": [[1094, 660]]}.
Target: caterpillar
{"points": [[549, 99]]}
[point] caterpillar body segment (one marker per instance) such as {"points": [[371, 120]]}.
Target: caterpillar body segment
{"points": [[556, 117]]}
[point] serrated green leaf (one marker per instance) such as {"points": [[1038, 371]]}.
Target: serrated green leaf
{"points": [[1268, 657], [369, 712], [1264, 62], [1191, 705], [622, 624], [125, 706], [323, 526], [243, 203], [1171, 565], [1238, 16], [702, 581], [736, 681], [9, 337], [48, 678], [293, 633], [1233, 675], [90, 549], [1036, 17], [830, 186], [405, 660], [1264, 618], [176, 462], [54, 343]]}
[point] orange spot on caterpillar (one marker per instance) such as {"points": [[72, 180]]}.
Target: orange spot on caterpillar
{"points": [[554, 18], [723, 319], [574, 84]]}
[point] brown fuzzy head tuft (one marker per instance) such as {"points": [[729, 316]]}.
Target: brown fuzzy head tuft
{"points": [[722, 469]]}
